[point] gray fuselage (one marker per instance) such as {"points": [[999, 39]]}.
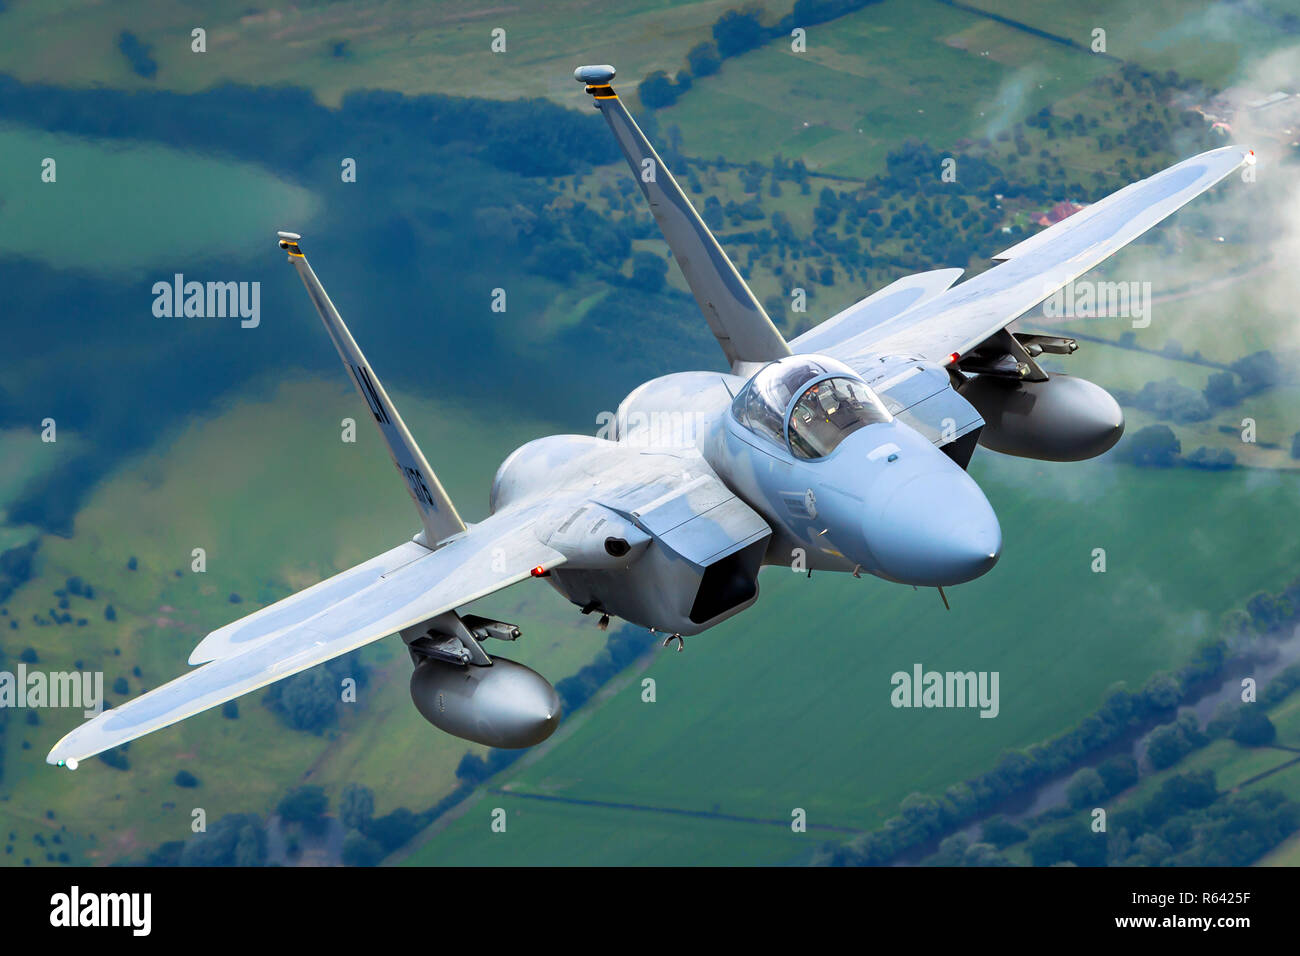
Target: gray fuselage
{"points": [[885, 501]]}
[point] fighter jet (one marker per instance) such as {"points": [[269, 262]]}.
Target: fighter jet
{"points": [[844, 450]]}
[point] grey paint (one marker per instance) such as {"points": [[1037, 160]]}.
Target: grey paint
{"points": [[1061, 419], [504, 705], [696, 511]]}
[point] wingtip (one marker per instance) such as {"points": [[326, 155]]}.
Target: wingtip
{"points": [[595, 75], [60, 754], [1244, 153], [288, 241]]}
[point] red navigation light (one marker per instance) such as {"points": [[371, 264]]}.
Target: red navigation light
{"points": [[952, 359], [539, 572]]}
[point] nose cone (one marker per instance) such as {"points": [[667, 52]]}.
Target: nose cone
{"points": [[936, 528]]}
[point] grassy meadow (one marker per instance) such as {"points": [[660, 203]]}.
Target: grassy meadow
{"points": [[765, 714]]}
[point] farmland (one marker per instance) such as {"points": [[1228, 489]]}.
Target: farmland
{"points": [[232, 443]]}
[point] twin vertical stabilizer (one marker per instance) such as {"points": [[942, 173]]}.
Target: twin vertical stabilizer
{"points": [[735, 316], [437, 513]]}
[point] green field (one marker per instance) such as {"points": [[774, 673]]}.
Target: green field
{"points": [[1210, 41], [416, 46], [765, 713], [785, 707], [868, 82], [443, 46], [198, 205], [554, 834]]}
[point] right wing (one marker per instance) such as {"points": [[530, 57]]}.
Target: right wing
{"points": [[964, 316], [396, 590]]}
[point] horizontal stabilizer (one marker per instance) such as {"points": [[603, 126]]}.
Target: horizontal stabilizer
{"points": [[876, 309]]}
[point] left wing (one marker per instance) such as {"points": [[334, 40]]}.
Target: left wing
{"points": [[964, 316], [398, 589]]}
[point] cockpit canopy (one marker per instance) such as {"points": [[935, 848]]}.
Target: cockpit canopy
{"points": [[808, 403]]}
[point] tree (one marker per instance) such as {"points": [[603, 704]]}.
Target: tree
{"points": [[1152, 849], [712, 214], [1211, 459], [1119, 773], [306, 700], [1155, 446], [1221, 390], [1086, 789], [1253, 728], [473, 769], [1071, 842], [394, 829], [1184, 791], [738, 31], [235, 839], [1240, 829], [1001, 832], [923, 811], [1267, 613], [657, 90], [703, 59], [116, 758], [360, 850], [1169, 743], [250, 849], [1166, 746], [1161, 692], [138, 54], [556, 259], [305, 805], [356, 806], [1258, 371], [1178, 403], [649, 271]]}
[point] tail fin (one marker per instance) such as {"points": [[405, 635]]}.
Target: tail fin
{"points": [[437, 513], [738, 322]]}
